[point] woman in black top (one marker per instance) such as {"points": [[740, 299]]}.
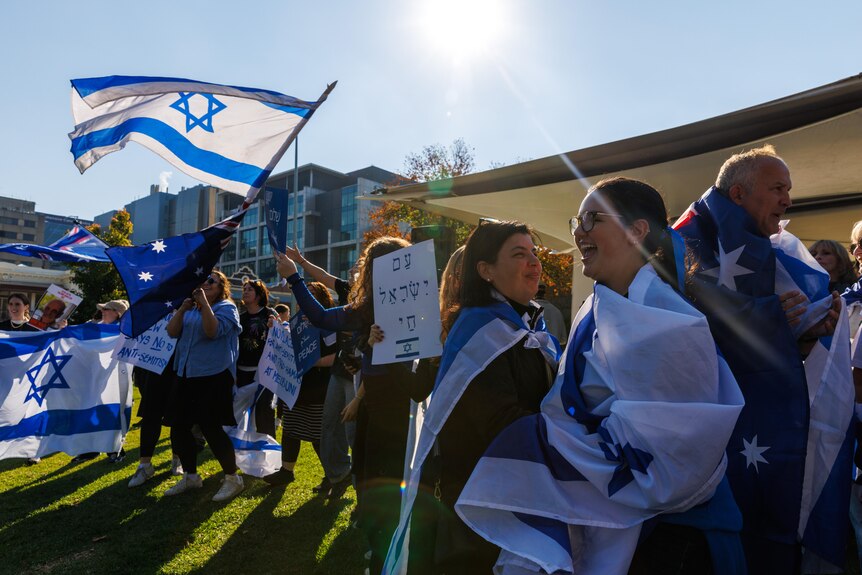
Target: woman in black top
{"points": [[254, 321], [18, 308]]}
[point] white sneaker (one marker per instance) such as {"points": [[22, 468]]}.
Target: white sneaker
{"points": [[231, 486], [187, 481], [144, 472], [176, 466]]}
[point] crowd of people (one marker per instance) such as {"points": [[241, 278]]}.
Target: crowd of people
{"points": [[678, 431]]}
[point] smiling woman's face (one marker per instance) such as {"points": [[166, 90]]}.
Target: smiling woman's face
{"points": [[517, 271]]}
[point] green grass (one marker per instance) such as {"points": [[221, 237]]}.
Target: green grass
{"points": [[58, 518]]}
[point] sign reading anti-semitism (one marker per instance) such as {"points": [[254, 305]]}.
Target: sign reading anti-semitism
{"points": [[151, 350], [277, 368], [406, 304]]}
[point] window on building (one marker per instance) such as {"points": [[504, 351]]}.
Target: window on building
{"points": [[29, 224], [228, 270], [10, 235], [251, 216], [28, 237], [266, 270], [265, 248], [248, 244], [8, 221]]}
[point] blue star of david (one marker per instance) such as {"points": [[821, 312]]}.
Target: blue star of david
{"points": [[629, 458], [56, 381], [214, 106]]}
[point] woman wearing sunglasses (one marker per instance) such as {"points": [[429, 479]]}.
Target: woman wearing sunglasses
{"points": [[633, 433], [207, 327]]}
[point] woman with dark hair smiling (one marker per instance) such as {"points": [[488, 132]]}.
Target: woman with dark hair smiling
{"points": [[496, 366], [207, 327], [625, 464], [18, 308]]}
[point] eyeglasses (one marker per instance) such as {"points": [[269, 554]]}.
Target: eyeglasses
{"points": [[854, 247], [210, 280], [587, 220]]}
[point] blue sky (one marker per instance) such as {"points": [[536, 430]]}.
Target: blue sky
{"points": [[551, 75]]}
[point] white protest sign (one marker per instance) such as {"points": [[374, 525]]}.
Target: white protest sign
{"points": [[405, 304], [277, 368], [151, 350]]}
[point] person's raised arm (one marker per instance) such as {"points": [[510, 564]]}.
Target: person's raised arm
{"points": [[318, 274], [332, 319]]}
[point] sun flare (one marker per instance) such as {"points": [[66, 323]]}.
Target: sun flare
{"points": [[462, 29]]}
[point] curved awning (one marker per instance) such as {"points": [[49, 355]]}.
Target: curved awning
{"points": [[818, 132]]}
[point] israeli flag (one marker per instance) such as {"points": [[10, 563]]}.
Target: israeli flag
{"points": [[62, 391], [227, 136], [635, 426], [479, 336], [257, 454]]}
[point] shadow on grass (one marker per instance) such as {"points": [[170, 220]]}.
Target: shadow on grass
{"points": [[291, 543]]}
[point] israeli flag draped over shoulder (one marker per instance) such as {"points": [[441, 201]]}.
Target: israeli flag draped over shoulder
{"points": [[479, 335], [635, 425], [62, 391], [227, 136], [78, 245], [257, 453], [792, 461]]}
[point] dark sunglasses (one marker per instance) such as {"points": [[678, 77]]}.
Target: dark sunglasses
{"points": [[587, 220], [853, 247], [210, 280]]}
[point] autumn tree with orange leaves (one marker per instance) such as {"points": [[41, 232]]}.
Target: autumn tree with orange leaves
{"points": [[437, 162]]}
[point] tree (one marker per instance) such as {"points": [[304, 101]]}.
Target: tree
{"points": [[434, 163], [97, 281]]}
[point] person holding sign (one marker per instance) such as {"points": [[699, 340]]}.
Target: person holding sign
{"points": [[254, 321], [207, 327], [381, 443], [303, 421]]}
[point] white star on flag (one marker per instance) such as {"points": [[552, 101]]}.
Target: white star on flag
{"points": [[145, 276], [753, 453], [199, 272], [729, 268], [158, 246], [169, 304]]}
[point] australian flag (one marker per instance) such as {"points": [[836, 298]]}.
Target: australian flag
{"points": [[78, 245], [789, 455], [159, 275]]}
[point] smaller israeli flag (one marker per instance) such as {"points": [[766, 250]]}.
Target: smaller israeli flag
{"points": [[62, 391], [227, 136], [78, 245], [257, 454]]}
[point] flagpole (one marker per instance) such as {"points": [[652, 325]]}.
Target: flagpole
{"points": [[295, 186]]}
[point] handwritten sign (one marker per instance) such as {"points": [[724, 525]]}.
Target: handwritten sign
{"points": [[405, 304], [306, 342], [276, 218], [151, 350], [277, 368]]}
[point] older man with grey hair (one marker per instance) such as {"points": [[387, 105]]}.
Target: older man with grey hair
{"points": [[766, 321]]}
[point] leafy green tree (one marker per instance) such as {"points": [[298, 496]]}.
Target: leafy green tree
{"points": [[96, 281]]}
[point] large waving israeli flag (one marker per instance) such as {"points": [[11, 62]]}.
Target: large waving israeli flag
{"points": [[62, 391], [635, 426], [227, 136]]}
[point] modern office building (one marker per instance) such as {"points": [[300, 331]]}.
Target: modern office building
{"points": [[326, 218]]}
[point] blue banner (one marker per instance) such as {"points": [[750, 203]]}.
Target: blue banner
{"points": [[306, 342], [276, 218]]}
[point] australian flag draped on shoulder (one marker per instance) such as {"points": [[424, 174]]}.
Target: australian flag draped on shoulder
{"points": [[479, 335], [227, 136], [635, 426], [78, 245], [790, 455], [62, 391]]}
